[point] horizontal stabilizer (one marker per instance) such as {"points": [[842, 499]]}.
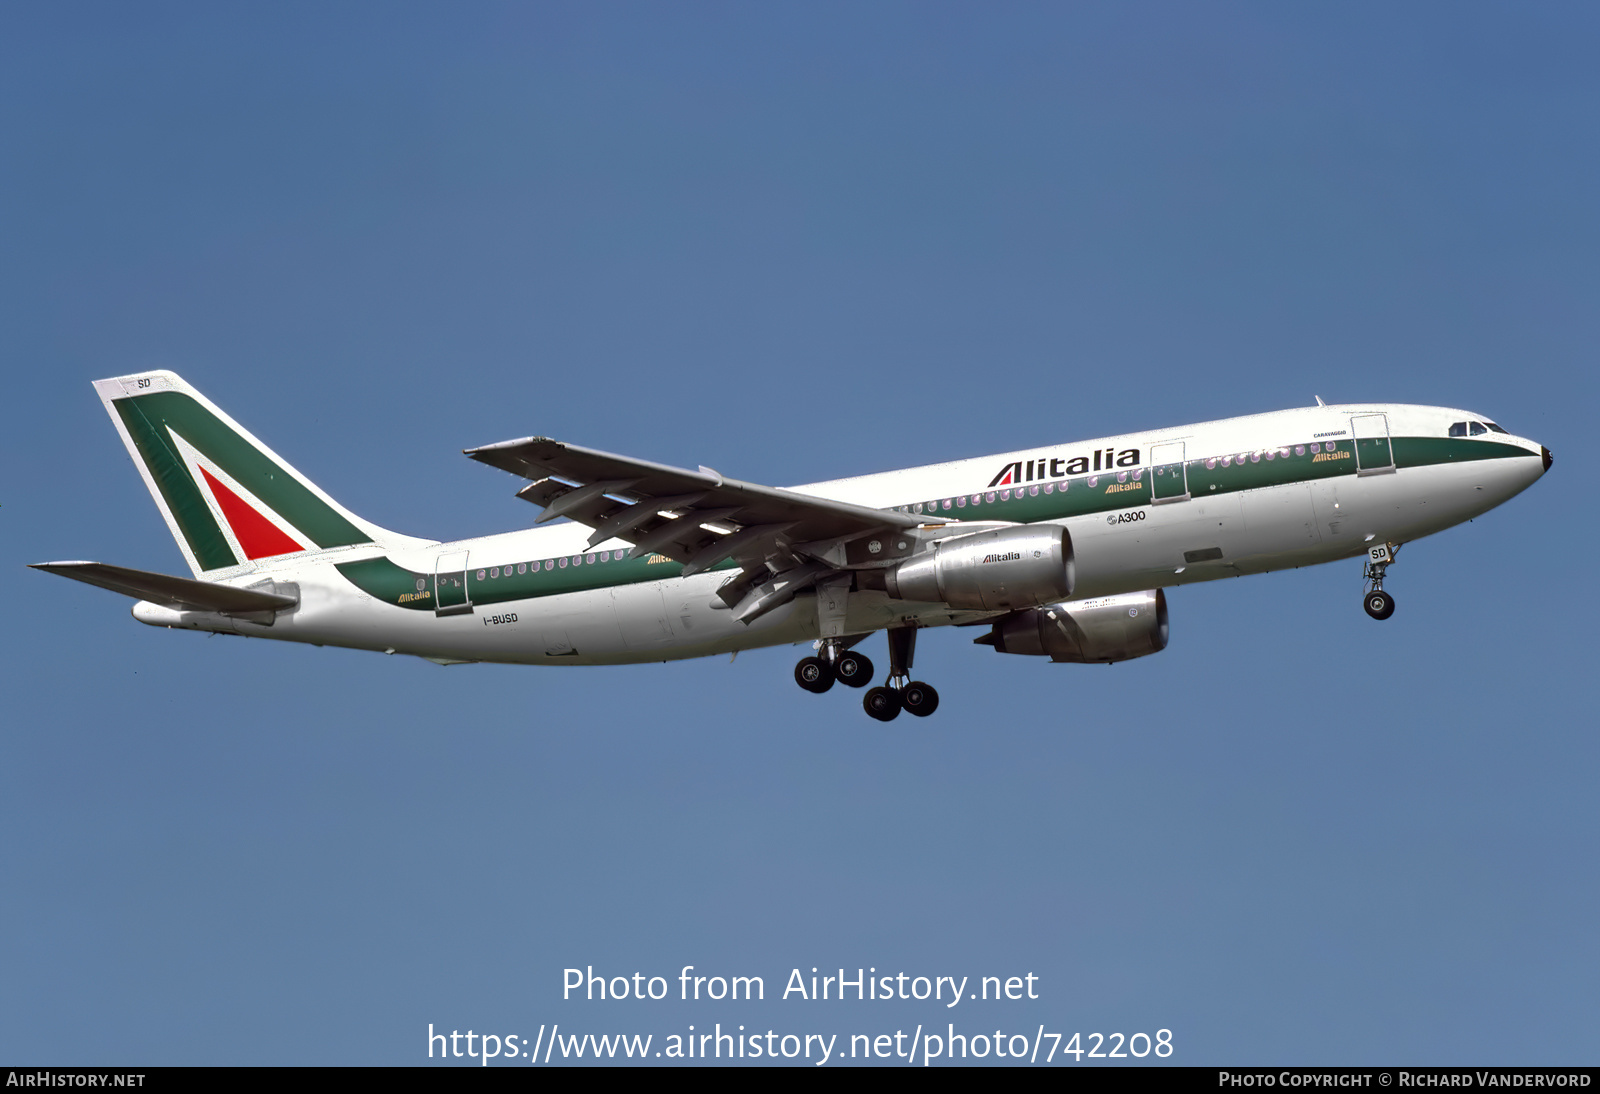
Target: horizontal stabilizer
{"points": [[182, 593]]}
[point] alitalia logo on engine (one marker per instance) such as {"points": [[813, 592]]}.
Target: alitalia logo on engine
{"points": [[1104, 459], [1011, 556]]}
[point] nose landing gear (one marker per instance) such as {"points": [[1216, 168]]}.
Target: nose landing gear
{"points": [[1379, 604]]}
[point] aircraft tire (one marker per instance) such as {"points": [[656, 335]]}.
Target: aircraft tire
{"points": [[882, 704], [814, 674], [1379, 604], [919, 699], [853, 670]]}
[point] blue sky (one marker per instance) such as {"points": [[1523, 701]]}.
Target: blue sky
{"points": [[795, 242]]}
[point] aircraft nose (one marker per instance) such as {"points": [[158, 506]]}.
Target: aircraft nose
{"points": [[1548, 459]]}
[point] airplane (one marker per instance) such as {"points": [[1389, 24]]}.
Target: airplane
{"points": [[1061, 552]]}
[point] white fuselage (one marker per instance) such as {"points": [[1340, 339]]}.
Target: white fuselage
{"points": [[1328, 506]]}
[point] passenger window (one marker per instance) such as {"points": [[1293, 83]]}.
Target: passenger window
{"points": [[1476, 429], [1459, 429]]}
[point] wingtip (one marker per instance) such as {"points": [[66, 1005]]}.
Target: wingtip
{"points": [[500, 446]]}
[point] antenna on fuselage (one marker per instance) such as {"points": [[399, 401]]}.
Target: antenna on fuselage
{"points": [[1318, 398]]}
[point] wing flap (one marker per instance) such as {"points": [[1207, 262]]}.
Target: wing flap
{"points": [[699, 518], [556, 468]]}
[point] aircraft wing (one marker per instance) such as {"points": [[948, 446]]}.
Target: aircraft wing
{"points": [[699, 518]]}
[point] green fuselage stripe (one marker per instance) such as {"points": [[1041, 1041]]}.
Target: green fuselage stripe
{"points": [[1027, 503], [404, 588]]}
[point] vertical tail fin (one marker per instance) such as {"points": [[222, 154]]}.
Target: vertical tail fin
{"points": [[230, 501]]}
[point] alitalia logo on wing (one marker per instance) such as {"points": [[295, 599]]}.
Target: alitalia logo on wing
{"points": [[1104, 459], [253, 530]]}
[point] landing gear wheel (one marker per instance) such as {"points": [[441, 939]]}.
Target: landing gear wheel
{"points": [[814, 674], [1379, 604], [882, 704], [919, 699], [853, 670]]}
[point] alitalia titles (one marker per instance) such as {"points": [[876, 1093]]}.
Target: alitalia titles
{"points": [[1043, 469], [1010, 556], [1104, 459]]}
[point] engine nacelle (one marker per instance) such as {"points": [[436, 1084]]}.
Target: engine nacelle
{"points": [[1098, 631], [990, 571]]}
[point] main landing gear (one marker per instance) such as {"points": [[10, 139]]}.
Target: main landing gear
{"points": [[1379, 604], [901, 692], [835, 663]]}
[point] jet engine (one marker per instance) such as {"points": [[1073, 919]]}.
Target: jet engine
{"points": [[990, 571], [1098, 631]]}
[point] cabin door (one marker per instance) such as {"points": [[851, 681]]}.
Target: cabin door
{"points": [[450, 594], [1168, 480], [1374, 454]]}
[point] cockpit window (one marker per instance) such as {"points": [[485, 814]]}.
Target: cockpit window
{"points": [[1496, 428], [1459, 429], [1476, 429]]}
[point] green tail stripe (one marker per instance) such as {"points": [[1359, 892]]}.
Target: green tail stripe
{"points": [[178, 489], [145, 415]]}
